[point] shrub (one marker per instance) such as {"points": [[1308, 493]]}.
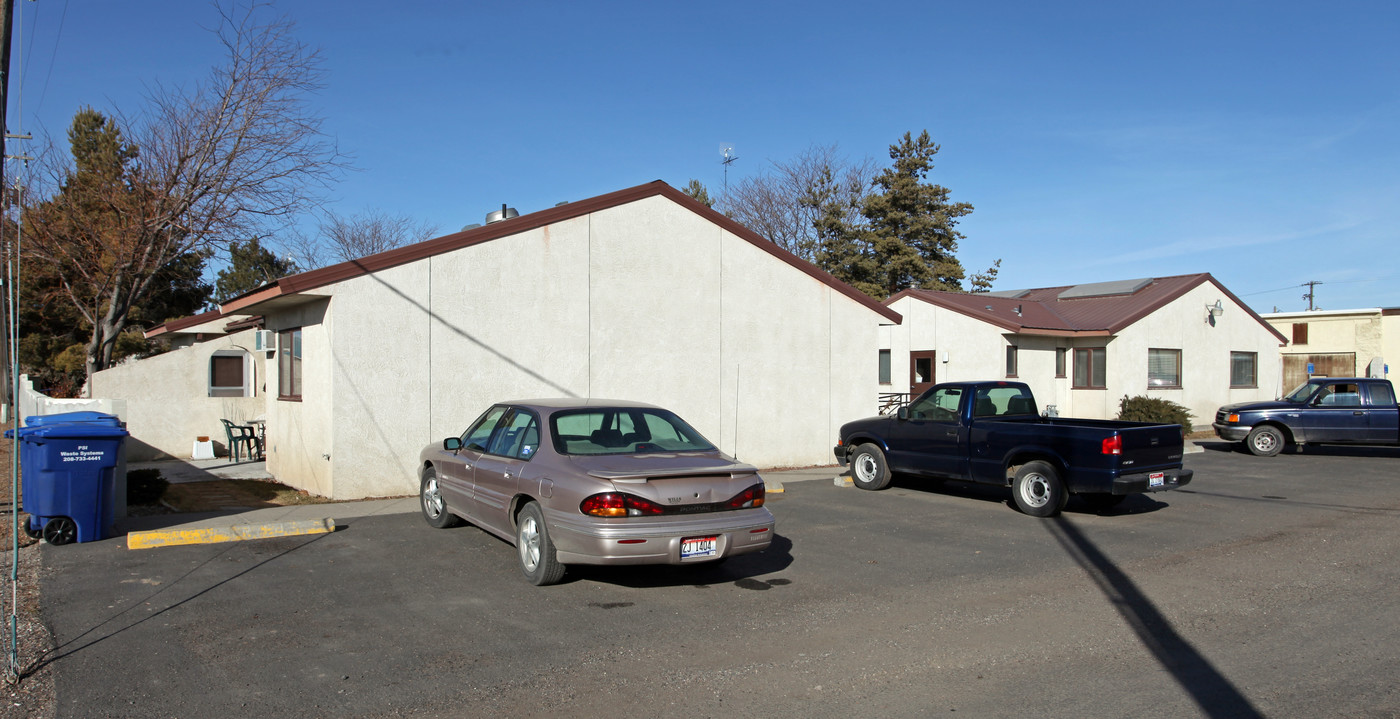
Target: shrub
{"points": [[1154, 409], [144, 486]]}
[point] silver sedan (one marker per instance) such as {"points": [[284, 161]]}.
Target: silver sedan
{"points": [[594, 482]]}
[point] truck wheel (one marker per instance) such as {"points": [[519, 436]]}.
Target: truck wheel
{"points": [[1038, 490], [868, 468], [1264, 441]]}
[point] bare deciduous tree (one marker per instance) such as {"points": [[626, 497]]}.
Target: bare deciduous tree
{"points": [[785, 203], [371, 232], [236, 156]]}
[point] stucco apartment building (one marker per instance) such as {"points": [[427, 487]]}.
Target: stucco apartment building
{"points": [[1338, 343], [1082, 348], [642, 294]]}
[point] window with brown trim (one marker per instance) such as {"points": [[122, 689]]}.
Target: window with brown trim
{"points": [[1300, 333], [1060, 361], [1244, 369], [227, 374], [289, 364], [1163, 369], [1011, 360], [1090, 366]]}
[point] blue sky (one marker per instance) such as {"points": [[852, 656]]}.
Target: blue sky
{"points": [[1097, 141]]}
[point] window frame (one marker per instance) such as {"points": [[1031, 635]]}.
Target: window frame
{"points": [[1061, 361], [1300, 333], [1171, 353], [1089, 362], [245, 371], [1253, 369], [1012, 361], [886, 367], [289, 364]]}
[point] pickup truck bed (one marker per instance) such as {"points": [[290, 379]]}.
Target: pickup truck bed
{"points": [[989, 432]]}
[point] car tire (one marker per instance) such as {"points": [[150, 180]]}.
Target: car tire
{"points": [[1102, 501], [538, 560], [1038, 490], [1264, 441], [868, 468], [431, 501]]}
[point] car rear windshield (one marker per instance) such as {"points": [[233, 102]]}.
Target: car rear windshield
{"points": [[623, 430]]}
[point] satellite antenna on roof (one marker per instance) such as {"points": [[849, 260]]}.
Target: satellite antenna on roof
{"points": [[727, 150]]}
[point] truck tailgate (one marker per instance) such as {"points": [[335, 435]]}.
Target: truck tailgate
{"points": [[1151, 447]]}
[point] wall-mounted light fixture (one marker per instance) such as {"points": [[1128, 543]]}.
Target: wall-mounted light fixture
{"points": [[1213, 311]]}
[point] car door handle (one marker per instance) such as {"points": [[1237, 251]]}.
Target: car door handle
{"points": [[951, 433], [1359, 413], [466, 465], [507, 475]]}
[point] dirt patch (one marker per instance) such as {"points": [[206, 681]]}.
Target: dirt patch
{"points": [[31, 692], [223, 493]]}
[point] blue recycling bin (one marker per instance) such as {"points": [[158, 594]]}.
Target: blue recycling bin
{"points": [[68, 465]]}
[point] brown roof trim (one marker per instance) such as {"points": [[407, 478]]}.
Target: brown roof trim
{"points": [[346, 270], [182, 323]]}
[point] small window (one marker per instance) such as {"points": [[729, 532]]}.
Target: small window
{"points": [[1300, 333], [1244, 369], [1090, 366], [1060, 353], [228, 374], [289, 364], [1011, 360], [923, 370], [884, 366], [1163, 369], [1380, 394], [479, 434], [518, 436]]}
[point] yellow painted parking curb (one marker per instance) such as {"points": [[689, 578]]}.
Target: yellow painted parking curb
{"points": [[237, 533]]}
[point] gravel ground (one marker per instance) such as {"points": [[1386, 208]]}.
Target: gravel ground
{"points": [[32, 693]]}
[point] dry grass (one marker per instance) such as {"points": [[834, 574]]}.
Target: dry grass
{"points": [[220, 493], [31, 694]]}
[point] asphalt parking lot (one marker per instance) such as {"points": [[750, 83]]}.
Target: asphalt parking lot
{"points": [[1265, 588]]}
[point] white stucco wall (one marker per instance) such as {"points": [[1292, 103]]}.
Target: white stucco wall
{"points": [[167, 402], [976, 350], [1205, 354], [646, 301]]}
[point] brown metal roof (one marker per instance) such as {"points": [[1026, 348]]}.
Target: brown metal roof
{"points": [[235, 324], [281, 291], [1100, 309]]}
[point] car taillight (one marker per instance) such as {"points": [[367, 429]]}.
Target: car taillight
{"points": [[1113, 445], [747, 499], [617, 504]]}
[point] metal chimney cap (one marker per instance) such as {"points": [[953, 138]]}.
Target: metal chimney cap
{"points": [[505, 213]]}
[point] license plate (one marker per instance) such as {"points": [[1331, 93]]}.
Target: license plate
{"points": [[692, 547], [1156, 479]]}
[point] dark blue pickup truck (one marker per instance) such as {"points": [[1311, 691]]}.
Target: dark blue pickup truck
{"points": [[991, 433], [1323, 410]]}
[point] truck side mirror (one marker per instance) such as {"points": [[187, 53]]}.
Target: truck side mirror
{"points": [[902, 412]]}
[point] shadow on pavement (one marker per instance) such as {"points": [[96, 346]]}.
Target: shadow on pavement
{"points": [[1213, 693]]}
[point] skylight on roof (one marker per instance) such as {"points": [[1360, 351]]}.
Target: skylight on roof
{"points": [[1105, 289]]}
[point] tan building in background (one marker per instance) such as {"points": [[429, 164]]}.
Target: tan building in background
{"points": [[1338, 343]]}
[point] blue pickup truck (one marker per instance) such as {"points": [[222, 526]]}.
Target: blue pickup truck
{"points": [[991, 433], [1323, 410]]}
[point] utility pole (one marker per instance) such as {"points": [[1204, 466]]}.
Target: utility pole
{"points": [[7, 17], [1309, 296]]}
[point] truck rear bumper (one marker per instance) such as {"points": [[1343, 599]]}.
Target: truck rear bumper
{"points": [[1151, 482]]}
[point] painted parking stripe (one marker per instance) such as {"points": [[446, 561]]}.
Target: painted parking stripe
{"points": [[236, 533]]}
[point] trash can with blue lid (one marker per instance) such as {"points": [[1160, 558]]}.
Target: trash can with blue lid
{"points": [[68, 466]]}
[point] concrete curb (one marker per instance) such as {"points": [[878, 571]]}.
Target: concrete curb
{"points": [[235, 533]]}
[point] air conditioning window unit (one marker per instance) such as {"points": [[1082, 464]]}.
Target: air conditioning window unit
{"points": [[264, 341]]}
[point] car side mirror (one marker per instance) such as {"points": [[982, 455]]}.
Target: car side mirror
{"points": [[902, 412], [452, 444]]}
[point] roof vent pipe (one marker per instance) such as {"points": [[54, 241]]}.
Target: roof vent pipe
{"points": [[505, 213]]}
